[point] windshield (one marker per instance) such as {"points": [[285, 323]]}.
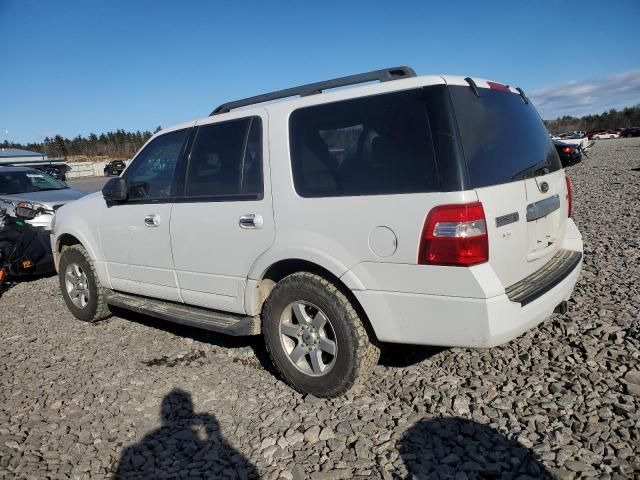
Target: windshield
{"points": [[503, 138], [12, 183]]}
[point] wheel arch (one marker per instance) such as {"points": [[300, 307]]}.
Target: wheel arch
{"points": [[260, 288], [70, 238]]}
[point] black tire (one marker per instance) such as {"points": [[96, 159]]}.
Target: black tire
{"points": [[95, 308], [357, 352]]}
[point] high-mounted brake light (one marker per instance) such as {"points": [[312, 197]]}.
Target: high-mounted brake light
{"points": [[569, 196], [567, 149], [454, 235], [498, 86]]}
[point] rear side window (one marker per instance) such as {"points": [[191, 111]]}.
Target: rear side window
{"points": [[367, 146], [503, 137], [226, 160]]}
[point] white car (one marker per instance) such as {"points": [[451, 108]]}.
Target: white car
{"points": [[606, 135], [35, 190], [422, 210]]}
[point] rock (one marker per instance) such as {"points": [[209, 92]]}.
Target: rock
{"points": [[326, 434], [562, 474], [312, 435], [337, 474], [577, 466], [632, 376]]}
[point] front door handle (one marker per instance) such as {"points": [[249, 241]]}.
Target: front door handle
{"points": [[152, 220], [251, 220]]}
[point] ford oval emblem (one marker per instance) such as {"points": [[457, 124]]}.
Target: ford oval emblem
{"points": [[544, 187]]}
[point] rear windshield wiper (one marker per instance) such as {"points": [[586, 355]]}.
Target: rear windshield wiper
{"points": [[531, 172]]}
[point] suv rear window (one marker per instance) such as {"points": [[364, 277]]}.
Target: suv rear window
{"points": [[366, 146], [503, 138]]}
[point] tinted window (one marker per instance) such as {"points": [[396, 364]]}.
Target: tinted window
{"points": [[152, 172], [226, 160], [503, 138], [366, 146]]}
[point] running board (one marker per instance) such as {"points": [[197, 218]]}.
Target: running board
{"points": [[213, 320]]}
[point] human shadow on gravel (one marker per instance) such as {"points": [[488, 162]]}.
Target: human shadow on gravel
{"points": [[186, 445], [460, 448]]}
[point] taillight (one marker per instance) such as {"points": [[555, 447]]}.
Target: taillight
{"points": [[454, 235], [569, 196], [567, 149]]}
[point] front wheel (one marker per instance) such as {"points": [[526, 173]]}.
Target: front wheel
{"points": [[80, 287], [316, 338]]}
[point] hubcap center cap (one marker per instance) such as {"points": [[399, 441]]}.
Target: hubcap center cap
{"points": [[309, 337]]}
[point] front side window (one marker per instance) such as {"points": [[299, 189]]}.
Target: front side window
{"points": [[226, 160], [366, 146], [151, 175]]}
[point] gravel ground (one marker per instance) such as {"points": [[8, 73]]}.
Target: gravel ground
{"points": [[143, 399], [89, 185]]}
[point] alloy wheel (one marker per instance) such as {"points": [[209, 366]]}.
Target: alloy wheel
{"points": [[77, 285], [308, 338]]}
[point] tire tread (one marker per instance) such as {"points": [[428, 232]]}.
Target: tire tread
{"points": [[102, 309], [367, 351]]}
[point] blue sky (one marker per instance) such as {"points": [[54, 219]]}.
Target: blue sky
{"points": [[72, 67]]}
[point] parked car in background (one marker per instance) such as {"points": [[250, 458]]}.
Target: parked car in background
{"points": [[34, 189], [114, 167], [569, 154], [575, 138], [55, 172], [608, 134], [630, 132], [591, 133], [282, 219]]}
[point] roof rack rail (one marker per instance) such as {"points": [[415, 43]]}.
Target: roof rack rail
{"points": [[384, 75]]}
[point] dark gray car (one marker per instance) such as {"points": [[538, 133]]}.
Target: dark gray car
{"points": [[43, 192]]}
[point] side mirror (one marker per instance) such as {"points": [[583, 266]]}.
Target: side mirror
{"points": [[25, 211], [115, 190]]}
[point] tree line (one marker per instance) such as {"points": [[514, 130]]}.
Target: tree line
{"points": [[118, 144], [627, 117]]}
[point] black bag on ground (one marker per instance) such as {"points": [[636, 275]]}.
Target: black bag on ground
{"points": [[24, 249]]}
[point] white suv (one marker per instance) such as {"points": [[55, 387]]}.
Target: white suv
{"points": [[422, 210]]}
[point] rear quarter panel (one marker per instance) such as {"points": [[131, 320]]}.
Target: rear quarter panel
{"points": [[337, 232]]}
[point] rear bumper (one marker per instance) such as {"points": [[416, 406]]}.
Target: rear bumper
{"points": [[458, 321]]}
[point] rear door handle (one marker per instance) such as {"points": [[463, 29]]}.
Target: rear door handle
{"points": [[251, 220], [152, 220]]}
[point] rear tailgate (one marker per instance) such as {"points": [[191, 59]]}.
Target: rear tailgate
{"points": [[524, 224], [515, 170]]}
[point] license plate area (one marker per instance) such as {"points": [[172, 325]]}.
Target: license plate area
{"points": [[542, 226]]}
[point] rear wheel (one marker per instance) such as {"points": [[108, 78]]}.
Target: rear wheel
{"points": [[80, 286], [315, 337]]}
